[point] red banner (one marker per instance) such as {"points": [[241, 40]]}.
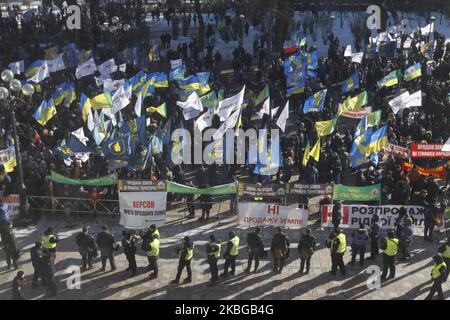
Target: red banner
{"points": [[423, 150], [438, 172]]}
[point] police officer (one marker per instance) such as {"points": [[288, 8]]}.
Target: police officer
{"points": [[36, 256], [255, 248], [186, 252], [390, 247], [374, 234], [86, 246], [438, 275], [338, 245], [213, 253], [17, 286], [48, 271], [231, 254], [444, 250], [280, 250], [129, 244], [306, 247], [152, 255], [106, 243], [154, 231], [9, 243], [49, 241]]}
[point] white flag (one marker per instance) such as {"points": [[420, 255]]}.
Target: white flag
{"points": [[138, 105], [205, 120], [176, 63], [123, 67], [119, 100], [426, 30], [281, 122], [190, 113], [79, 134], [348, 51], [17, 67], [85, 69], [41, 74], [415, 99], [108, 112], [228, 124], [274, 111], [56, 64], [407, 43], [193, 101], [399, 102], [96, 117], [446, 146], [107, 67], [265, 109], [120, 118], [228, 105], [357, 57], [90, 121], [112, 85]]}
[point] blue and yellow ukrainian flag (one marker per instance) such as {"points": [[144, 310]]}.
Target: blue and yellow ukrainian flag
{"points": [[33, 68], [390, 80], [65, 93], [351, 83], [137, 81], [315, 102], [357, 154], [159, 79], [369, 120], [85, 106], [190, 83], [413, 72], [148, 89], [45, 112], [378, 140]]}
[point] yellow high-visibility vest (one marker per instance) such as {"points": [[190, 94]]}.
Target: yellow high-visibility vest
{"points": [[446, 253], [342, 243], [435, 273], [189, 254], [216, 253], [46, 242], [235, 248], [154, 248], [391, 247]]}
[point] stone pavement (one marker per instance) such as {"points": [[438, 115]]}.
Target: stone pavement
{"points": [[412, 280]]}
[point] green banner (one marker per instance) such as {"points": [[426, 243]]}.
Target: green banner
{"points": [[369, 193], [213, 191], [101, 181]]}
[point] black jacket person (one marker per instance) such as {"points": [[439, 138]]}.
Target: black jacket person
{"points": [[255, 248], [280, 250], [36, 256], [17, 286], [86, 247], [106, 243]]}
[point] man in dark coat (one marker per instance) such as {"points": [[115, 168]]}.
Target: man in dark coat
{"points": [[36, 256], [17, 286], [106, 243], [255, 248]]}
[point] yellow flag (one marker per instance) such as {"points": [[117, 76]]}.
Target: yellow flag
{"points": [[306, 155], [325, 128], [315, 151]]}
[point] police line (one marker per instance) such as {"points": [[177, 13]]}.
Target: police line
{"points": [[353, 215]]}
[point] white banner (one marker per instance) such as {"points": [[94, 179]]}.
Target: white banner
{"points": [[353, 215], [139, 210], [56, 64], [11, 205], [269, 214]]}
